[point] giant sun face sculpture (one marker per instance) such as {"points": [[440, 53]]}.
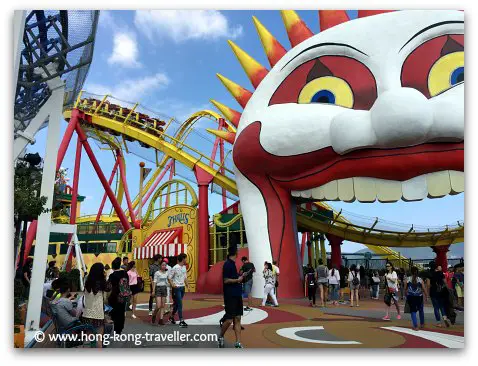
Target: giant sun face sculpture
{"points": [[368, 109]]}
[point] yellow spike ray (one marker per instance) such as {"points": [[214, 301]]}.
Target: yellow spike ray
{"points": [[274, 50], [297, 30], [241, 94], [254, 70], [227, 136], [231, 115]]}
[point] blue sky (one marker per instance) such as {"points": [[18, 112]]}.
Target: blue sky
{"points": [[168, 62]]}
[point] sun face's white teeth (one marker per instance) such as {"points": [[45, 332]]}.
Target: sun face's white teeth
{"points": [[457, 181], [388, 190], [318, 193], [438, 184], [306, 194], [345, 188], [415, 189], [330, 191], [365, 189]]}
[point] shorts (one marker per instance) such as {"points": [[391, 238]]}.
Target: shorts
{"points": [[354, 287], [135, 289], [323, 282], [233, 307], [248, 287], [161, 291]]}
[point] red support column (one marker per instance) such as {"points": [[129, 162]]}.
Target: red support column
{"points": [[67, 137], [335, 243], [121, 215], [125, 185], [203, 179], [103, 201], [31, 235], [441, 259]]}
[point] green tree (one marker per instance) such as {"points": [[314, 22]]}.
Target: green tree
{"points": [[28, 204]]}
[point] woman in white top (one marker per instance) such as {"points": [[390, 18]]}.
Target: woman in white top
{"points": [[391, 291], [334, 282], [354, 284], [270, 282], [160, 284], [96, 289]]}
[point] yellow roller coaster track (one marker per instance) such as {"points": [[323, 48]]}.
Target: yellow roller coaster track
{"points": [[149, 132]]}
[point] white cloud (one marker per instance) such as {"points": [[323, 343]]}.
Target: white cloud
{"points": [[125, 50], [131, 89], [182, 25], [106, 19]]}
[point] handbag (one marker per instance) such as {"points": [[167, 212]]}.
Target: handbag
{"points": [[406, 309], [387, 298]]}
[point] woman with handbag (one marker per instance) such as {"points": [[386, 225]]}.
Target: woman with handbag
{"points": [[414, 292], [354, 284], [391, 293], [94, 298]]}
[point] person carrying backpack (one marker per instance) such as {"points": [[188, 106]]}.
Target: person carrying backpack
{"points": [[414, 292], [119, 296], [354, 284], [323, 282], [311, 281], [438, 294]]}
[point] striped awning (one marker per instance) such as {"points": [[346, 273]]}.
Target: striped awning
{"points": [[165, 242]]}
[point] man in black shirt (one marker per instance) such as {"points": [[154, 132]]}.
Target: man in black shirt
{"points": [[232, 298], [247, 270]]}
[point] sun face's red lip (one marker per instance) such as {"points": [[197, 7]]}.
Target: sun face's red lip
{"points": [[310, 170], [392, 164]]}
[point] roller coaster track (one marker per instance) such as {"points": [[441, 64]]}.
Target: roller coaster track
{"points": [[119, 121]]}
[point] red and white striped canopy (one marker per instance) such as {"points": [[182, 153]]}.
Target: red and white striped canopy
{"points": [[164, 242]]}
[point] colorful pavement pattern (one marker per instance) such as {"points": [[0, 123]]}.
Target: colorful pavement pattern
{"points": [[296, 325]]}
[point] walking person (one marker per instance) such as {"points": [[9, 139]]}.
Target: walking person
{"points": [[414, 292], [438, 291], [391, 295], [375, 285], [276, 273], [178, 279], [153, 268], [159, 285], [354, 284], [459, 285], [269, 285], [95, 295], [311, 281], [323, 282], [233, 305], [334, 282], [344, 275], [247, 270], [120, 293], [134, 286]]}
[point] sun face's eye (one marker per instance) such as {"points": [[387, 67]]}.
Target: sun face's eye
{"points": [[327, 90], [436, 65], [335, 80], [447, 72]]}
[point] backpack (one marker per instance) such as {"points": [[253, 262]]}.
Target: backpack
{"points": [[124, 290], [355, 280], [322, 272], [310, 279]]}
